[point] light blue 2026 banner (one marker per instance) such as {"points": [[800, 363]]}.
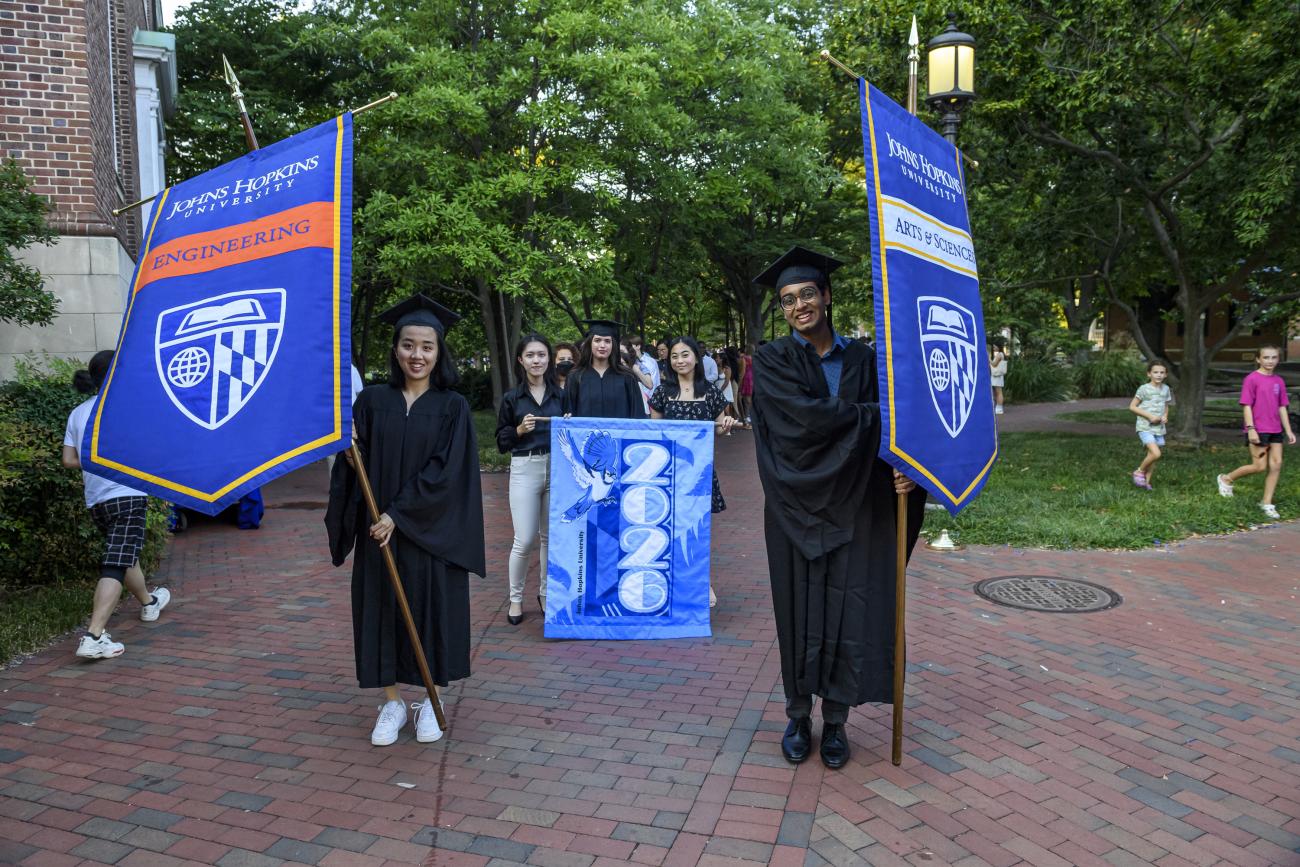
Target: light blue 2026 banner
{"points": [[629, 528], [936, 400]]}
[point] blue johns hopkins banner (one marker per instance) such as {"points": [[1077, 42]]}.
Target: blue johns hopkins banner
{"points": [[233, 364], [629, 528], [937, 401]]}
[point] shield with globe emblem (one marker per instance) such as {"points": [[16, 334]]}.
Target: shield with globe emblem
{"points": [[213, 354], [948, 344]]}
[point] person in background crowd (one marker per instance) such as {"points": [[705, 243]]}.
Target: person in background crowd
{"points": [[645, 367], [601, 386], [566, 356], [997, 372], [687, 396], [747, 386], [523, 430], [711, 372], [119, 513], [725, 385], [416, 436], [661, 355]]}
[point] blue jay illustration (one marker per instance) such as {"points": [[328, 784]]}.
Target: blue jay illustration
{"points": [[594, 468]]}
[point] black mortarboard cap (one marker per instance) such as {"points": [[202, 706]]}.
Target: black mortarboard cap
{"points": [[603, 327], [420, 309], [797, 265]]}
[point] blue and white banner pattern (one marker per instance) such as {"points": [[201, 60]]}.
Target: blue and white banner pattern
{"points": [[234, 361], [936, 396], [629, 528]]}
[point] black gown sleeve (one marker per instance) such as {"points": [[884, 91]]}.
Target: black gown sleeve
{"points": [[815, 452], [569, 400], [440, 508], [345, 503], [507, 425]]}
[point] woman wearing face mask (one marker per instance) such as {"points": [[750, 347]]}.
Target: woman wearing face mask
{"points": [[566, 356], [524, 431]]}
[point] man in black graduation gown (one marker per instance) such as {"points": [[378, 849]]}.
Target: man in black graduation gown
{"points": [[601, 386], [829, 513], [416, 436]]}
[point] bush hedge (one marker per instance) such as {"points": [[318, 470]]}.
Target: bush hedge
{"points": [[1110, 374], [46, 535], [1038, 380]]}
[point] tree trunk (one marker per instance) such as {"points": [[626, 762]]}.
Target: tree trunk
{"points": [[1189, 390]]}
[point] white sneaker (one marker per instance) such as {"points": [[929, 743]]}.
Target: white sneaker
{"points": [[1270, 510], [427, 729], [103, 647], [997, 410], [161, 596], [392, 716], [1225, 486]]}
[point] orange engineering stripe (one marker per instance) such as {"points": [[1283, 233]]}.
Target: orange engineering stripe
{"points": [[309, 225]]}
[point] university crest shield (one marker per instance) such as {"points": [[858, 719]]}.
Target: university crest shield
{"points": [[212, 355], [949, 345]]}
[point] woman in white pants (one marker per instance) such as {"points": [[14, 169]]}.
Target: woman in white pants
{"points": [[523, 431]]}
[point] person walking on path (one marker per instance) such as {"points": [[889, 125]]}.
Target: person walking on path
{"points": [[747, 387], [688, 396], [416, 437], [524, 431], [1151, 406], [1267, 425], [119, 513], [829, 515], [997, 372], [601, 386]]}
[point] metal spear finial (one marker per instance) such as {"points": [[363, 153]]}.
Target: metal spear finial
{"points": [[232, 81]]}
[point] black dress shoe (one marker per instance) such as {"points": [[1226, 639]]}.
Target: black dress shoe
{"points": [[515, 619], [797, 742], [835, 746]]}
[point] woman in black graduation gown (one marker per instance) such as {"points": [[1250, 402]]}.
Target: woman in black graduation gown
{"points": [[417, 438], [601, 386]]}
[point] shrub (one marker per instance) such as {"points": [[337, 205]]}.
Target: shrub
{"points": [[46, 534], [1110, 374], [1038, 380], [476, 384]]}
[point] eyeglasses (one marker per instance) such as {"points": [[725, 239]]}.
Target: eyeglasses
{"points": [[807, 294]]}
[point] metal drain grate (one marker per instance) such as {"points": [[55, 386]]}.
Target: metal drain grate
{"points": [[1048, 593]]}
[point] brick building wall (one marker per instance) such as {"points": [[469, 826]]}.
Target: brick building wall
{"points": [[68, 121], [71, 73]]}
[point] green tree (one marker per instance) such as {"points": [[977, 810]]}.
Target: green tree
{"points": [[292, 75], [1189, 109], [24, 299]]}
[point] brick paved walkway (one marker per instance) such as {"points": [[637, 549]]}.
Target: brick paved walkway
{"points": [[231, 732]]}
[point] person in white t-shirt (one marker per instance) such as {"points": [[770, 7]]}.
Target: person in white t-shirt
{"points": [[119, 512]]}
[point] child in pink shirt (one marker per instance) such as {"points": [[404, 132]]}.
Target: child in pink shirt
{"points": [[1267, 425]]}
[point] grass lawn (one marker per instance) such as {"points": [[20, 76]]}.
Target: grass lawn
{"points": [[1074, 491], [1220, 412], [34, 615]]}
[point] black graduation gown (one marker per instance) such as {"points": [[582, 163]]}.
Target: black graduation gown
{"points": [[424, 470], [614, 395], [829, 521]]}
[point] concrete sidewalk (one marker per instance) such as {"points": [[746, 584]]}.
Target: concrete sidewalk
{"points": [[1165, 731]]}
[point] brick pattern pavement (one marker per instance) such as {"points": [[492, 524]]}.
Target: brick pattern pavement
{"points": [[231, 732]]}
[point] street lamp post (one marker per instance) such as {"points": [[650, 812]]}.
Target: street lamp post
{"points": [[950, 85]]}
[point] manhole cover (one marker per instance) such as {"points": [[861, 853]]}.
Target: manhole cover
{"points": [[1048, 593]]}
